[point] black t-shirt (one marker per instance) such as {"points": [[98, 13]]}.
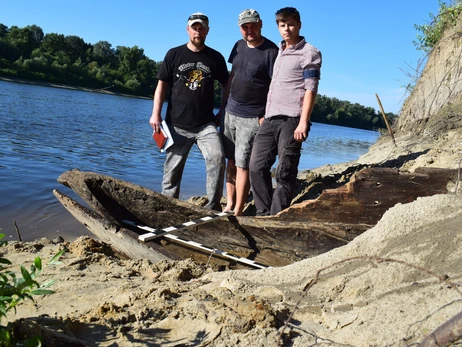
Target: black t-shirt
{"points": [[253, 69], [191, 77]]}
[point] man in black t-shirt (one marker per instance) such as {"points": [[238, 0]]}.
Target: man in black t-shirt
{"points": [[188, 72], [252, 58]]}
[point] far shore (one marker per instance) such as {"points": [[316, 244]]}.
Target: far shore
{"points": [[64, 86]]}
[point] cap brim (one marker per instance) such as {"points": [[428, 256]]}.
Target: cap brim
{"points": [[249, 20]]}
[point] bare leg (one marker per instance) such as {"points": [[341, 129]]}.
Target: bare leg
{"points": [[242, 189], [230, 186]]}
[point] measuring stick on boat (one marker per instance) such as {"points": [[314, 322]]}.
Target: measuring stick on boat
{"points": [[202, 247], [155, 233]]}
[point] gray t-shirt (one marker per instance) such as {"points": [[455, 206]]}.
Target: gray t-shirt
{"points": [[253, 68]]}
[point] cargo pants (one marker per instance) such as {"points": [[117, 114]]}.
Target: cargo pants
{"points": [[275, 137]]}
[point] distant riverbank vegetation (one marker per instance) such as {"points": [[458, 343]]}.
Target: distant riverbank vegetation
{"points": [[28, 53]]}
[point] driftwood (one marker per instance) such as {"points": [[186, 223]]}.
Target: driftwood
{"points": [[370, 193]]}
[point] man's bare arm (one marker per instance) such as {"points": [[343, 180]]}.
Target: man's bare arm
{"points": [[159, 98], [301, 133]]}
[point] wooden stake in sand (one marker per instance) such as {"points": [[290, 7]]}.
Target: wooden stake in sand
{"points": [[386, 120], [17, 230]]}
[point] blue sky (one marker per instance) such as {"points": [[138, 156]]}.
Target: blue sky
{"points": [[365, 44]]}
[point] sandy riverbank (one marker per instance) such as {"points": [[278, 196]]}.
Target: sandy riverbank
{"points": [[393, 285], [367, 299]]}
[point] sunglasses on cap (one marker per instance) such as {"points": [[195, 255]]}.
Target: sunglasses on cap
{"points": [[199, 16]]}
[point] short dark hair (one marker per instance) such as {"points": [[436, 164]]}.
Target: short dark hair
{"points": [[286, 13]]}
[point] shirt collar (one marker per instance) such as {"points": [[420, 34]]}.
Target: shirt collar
{"points": [[298, 45]]}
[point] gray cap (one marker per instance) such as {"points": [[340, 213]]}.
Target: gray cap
{"points": [[248, 16], [198, 17]]}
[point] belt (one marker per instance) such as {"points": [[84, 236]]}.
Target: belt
{"points": [[281, 117]]}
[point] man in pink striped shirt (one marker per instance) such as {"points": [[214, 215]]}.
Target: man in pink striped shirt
{"points": [[290, 101]]}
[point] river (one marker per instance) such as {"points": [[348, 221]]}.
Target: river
{"points": [[47, 131]]}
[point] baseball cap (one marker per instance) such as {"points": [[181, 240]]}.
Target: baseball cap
{"points": [[248, 16], [198, 17]]}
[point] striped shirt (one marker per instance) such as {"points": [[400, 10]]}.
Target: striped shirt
{"points": [[296, 70]]}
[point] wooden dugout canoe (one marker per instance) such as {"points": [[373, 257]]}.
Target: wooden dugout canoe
{"points": [[304, 230]]}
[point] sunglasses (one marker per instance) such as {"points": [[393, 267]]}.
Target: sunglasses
{"points": [[199, 16]]}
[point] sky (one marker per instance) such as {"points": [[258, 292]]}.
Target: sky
{"points": [[367, 45]]}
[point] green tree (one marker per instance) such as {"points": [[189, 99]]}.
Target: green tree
{"points": [[129, 58], [75, 48], [53, 43], [103, 53], [25, 39], [8, 52], [3, 30], [36, 33]]}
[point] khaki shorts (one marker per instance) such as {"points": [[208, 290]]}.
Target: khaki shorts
{"points": [[238, 135]]}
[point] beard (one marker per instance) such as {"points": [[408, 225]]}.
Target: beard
{"points": [[250, 38], [197, 42]]}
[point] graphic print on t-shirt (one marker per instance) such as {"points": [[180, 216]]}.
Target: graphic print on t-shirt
{"points": [[193, 74]]}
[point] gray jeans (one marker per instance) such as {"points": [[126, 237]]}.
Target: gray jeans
{"points": [[209, 143]]}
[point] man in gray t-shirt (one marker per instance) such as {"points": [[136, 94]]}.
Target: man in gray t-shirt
{"points": [[252, 60]]}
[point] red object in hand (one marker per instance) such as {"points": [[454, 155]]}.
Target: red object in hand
{"points": [[160, 138]]}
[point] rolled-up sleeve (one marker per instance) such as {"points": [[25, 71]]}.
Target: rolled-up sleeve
{"points": [[311, 65]]}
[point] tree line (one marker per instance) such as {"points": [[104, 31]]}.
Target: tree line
{"points": [[29, 53]]}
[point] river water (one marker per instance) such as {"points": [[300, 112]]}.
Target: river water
{"points": [[46, 131]]}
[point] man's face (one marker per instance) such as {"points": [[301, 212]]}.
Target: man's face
{"points": [[289, 30], [197, 34], [251, 31]]}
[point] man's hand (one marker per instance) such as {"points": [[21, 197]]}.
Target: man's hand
{"points": [[155, 121], [301, 132]]}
